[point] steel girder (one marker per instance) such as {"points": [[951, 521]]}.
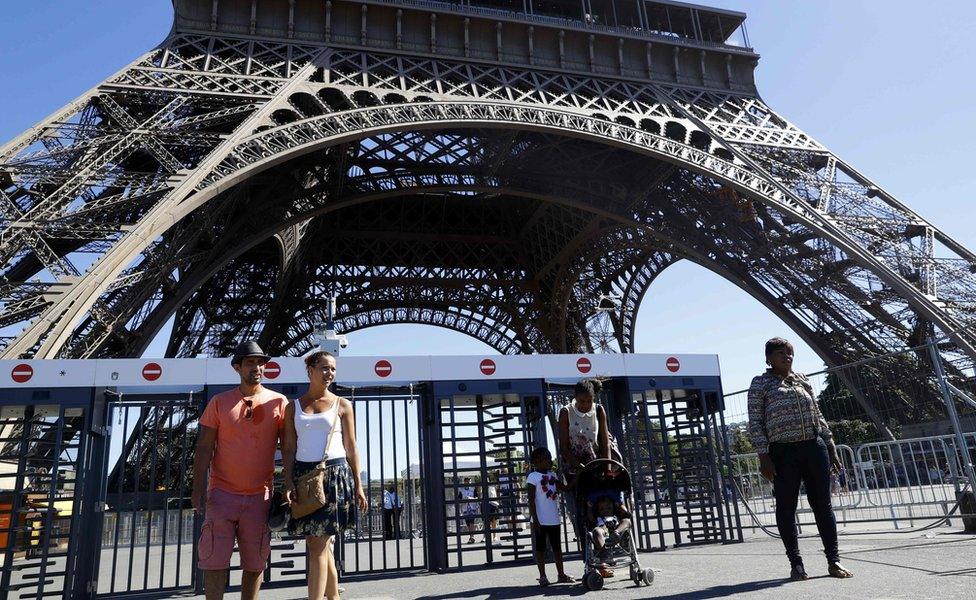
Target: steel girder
{"points": [[127, 171]]}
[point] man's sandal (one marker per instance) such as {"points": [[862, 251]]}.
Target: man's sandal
{"points": [[565, 579], [544, 581], [798, 573], [836, 570]]}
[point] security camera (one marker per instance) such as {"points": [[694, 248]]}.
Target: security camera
{"points": [[328, 340]]}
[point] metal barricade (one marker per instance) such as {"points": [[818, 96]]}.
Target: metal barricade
{"points": [[755, 493], [902, 483], [911, 479]]}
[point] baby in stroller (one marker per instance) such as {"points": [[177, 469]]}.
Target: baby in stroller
{"points": [[603, 494], [610, 520]]}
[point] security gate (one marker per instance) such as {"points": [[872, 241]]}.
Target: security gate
{"points": [[675, 447], [149, 531], [50, 442], [487, 435], [389, 439], [149, 537]]}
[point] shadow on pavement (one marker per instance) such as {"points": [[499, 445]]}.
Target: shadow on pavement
{"points": [[529, 590], [534, 591], [721, 591]]}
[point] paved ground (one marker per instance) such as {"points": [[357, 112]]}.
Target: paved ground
{"points": [[938, 565]]}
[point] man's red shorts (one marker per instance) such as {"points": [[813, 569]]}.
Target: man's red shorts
{"points": [[230, 518]]}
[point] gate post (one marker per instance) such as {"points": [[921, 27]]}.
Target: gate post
{"points": [[432, 476], [618, 406], [86, 537], [196, 580], [535, 418], [17, 502]]}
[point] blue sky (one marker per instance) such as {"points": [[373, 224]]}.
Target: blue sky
{"points": [[886, 84]]}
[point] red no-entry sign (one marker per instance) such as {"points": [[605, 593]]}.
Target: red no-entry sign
{"points": [[152, 372], [583, 365], [383, 368], [673, 365], [487, 367], [272, 369], [22, 373]]}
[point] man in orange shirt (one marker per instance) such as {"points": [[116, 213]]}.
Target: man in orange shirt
{"points": [[239, 432]]}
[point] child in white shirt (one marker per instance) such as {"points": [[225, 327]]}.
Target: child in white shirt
{"points": [[543, 488]]}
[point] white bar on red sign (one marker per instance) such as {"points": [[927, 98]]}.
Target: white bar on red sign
{"points": [[47, 373], [446, 368], [577, 366], [291, 369], [150, 372], [671, 365], [383, 369]]}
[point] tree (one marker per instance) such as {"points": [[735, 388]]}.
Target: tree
{"points": [[853, 432], [739, 442], [899, 389]]}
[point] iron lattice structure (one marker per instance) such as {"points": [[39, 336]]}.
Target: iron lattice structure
{"points": [[517, 173]]}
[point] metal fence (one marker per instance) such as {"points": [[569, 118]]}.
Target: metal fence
{"points": [[905, 425], [147, 528], [883, 485]]}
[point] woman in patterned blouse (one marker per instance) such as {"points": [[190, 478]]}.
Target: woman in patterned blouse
{"points": [[795, 445]]}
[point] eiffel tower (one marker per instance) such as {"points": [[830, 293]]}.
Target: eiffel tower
{"points": [[516, 170]]}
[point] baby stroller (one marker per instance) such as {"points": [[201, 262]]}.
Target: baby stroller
{"points": [[593, 483]]}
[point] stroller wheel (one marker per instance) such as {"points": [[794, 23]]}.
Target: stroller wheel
{"points": [[593, 581], [648, 576], [636, 576]]}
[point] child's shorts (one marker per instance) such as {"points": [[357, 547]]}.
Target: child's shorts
{"points": [[546, 534]]}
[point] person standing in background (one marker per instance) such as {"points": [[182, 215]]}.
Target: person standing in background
{"points": [[392, 505]]}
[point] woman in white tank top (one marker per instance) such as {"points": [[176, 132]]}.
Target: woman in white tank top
{"points": [[308, 424], [583, 431], [313, 430]]}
